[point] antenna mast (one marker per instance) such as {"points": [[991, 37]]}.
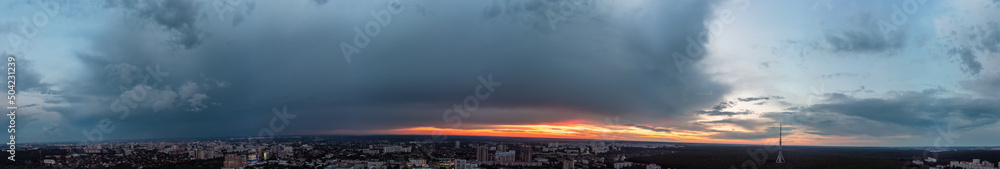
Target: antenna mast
{"points": [[781, 159]]}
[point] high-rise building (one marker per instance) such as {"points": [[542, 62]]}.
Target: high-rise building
{"points": [[482, 153], [204, 154], [524, 153], [260, 152], [274, 151], [234, 161], [501, 147], [457, 145], [505, 156]]}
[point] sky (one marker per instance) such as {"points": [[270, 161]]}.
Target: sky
{"points": [[831, 73]]}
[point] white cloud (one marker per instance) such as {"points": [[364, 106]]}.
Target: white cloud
{"points": [[163, 100]]}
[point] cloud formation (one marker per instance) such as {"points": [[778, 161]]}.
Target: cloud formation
{"points": [[173, 68], [407, 77], [902, 113]]}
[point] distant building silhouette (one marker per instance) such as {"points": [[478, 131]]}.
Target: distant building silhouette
{"points": [[524, 153], [505, 156], [482, 153], [234, 161]]}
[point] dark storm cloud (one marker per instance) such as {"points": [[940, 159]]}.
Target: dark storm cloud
{"points": [[968, 60], [321, 2], [862, 34], [119, 85], [760, 129], [987, 86], [535, 13], [408, 76], [990, 37], [749, 124], [903, 113], [975, 41], [860, 41], [860, 89], [719, 109], [743, 135], [178, 17], [650, 128], [750, 99], [28, 85], [27, 75], [724, 113], [723, 105], [542, 78], [769, 132]]}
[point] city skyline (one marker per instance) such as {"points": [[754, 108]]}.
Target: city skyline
{"points": [[476, 152], [833, 73]]}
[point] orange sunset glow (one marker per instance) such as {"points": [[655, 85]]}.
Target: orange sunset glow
{"points": [[583, 129]]}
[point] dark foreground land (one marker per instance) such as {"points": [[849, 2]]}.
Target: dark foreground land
{"points": [[808, 157], [349, 151]]}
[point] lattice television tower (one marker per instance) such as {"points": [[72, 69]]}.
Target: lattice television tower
{"points": [[781, 159]]}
